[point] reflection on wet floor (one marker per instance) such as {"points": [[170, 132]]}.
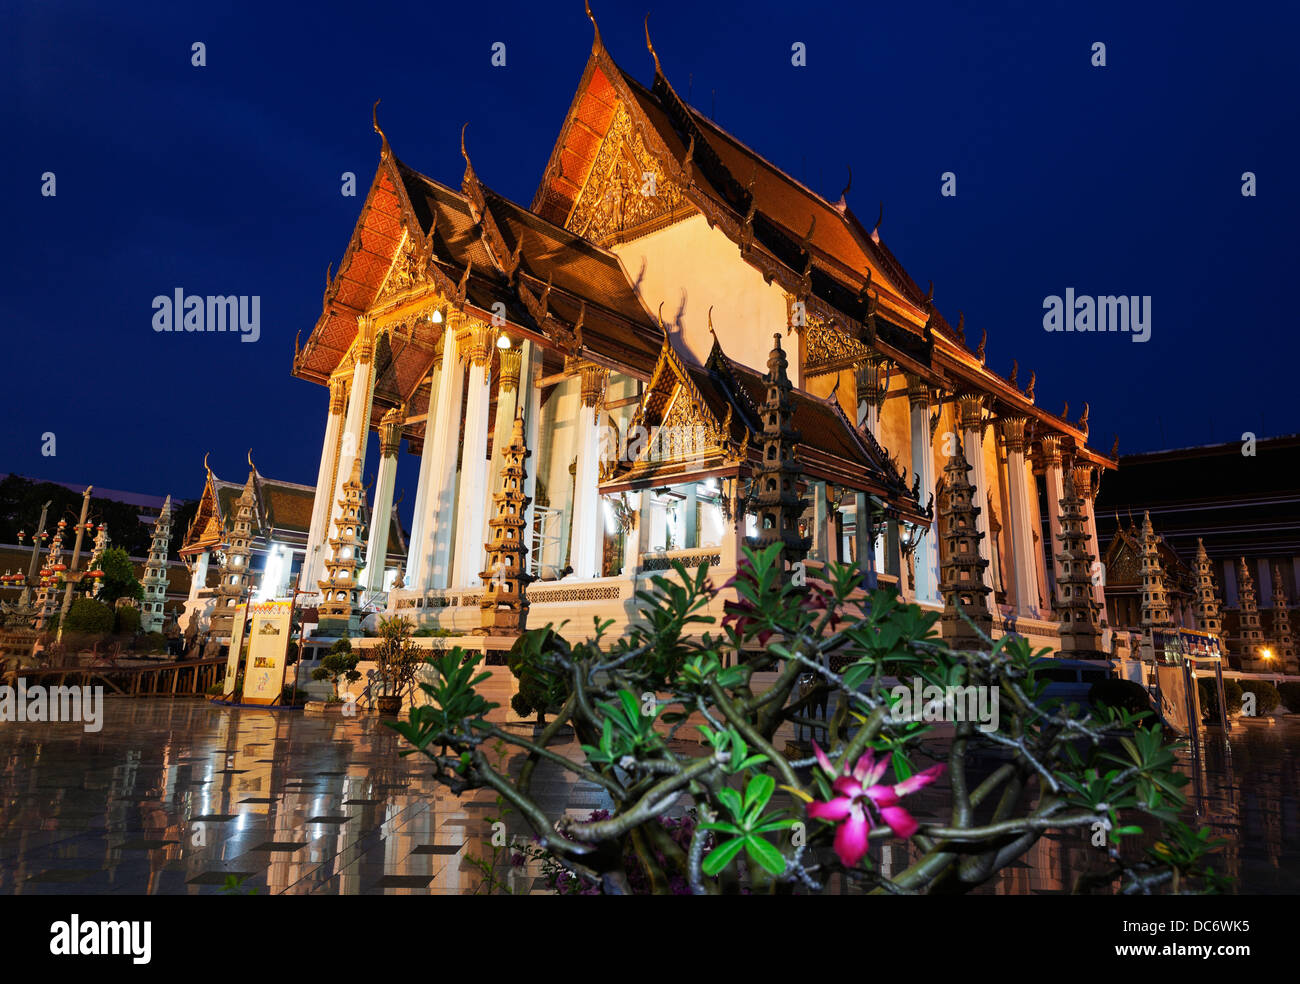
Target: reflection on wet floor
{"points": [[173, 797]]}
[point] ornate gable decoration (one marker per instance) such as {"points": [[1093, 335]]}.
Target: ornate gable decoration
{"points": [[205, 530], [674, 426], [827, 347], [409, 271], [627, 188]]}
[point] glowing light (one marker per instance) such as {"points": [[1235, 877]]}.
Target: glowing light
{"points": [[503, 342], [436, 317]]}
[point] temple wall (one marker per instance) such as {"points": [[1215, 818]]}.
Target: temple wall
{"points": [[690, 267]]}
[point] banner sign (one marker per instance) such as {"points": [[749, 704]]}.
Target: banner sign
{"points": [[232, 657], [268, 650]]}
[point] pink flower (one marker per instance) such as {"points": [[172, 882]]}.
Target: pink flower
{"points": [[860, 798]]}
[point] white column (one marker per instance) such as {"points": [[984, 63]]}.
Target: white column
{"points": [[390, 436], [588, 524], [432, 553], [356, 427], [690, 525], [472, 511], [973, 446], [1025, 571], [313, 567], [925, 558], [199, 577], [530, 373], [422, 478]]}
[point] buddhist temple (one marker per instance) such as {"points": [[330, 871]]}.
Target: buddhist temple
{"points": [[626, 316]]}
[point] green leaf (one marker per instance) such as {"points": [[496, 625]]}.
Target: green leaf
{"points": [[765, 854], [722, 855]]}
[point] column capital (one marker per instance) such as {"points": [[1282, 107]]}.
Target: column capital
{"points": [[594, 380], [918, 392], [475, 341], [338, 393], [1051, 444], [970, 409], [365, 344], [1012, 431], [390, 432], [1082, 476], [511, 363]]}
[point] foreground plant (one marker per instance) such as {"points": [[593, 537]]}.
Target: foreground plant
{"points": [[768, 823]]}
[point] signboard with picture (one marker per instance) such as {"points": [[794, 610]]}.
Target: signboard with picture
{"points": [[268, 649], [232, 656]]}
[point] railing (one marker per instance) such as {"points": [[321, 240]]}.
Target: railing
{"points": [[189, 678]]}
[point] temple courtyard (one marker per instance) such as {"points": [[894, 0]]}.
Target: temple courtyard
{"points": [[177, 796]]}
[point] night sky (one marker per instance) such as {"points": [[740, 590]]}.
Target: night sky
{"points": [[226, 180]]}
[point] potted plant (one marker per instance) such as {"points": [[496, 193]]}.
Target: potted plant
{"points": [[398, 660], [339, 663]]}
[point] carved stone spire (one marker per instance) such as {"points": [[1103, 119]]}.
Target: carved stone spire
{"points": [[1155, 599], [961, 574], [1249, 634], [1075, 607], [775, 500], [154, 581], [1207, 599], [235, 578], [503, 606], [341, 589], [1283, 640]]}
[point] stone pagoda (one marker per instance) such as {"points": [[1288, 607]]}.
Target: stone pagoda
{"points": [[1283, 640], [1155, 598], [504, 603], [1208, 618], [235, 579], [961, 572], [1250, 637], [154, 581], [774, 494], [341, 589], [1076, 605]]}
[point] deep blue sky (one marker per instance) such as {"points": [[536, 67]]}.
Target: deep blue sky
{"points": [[225, 179]]}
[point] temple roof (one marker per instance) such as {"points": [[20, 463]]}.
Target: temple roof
{"points": [[723, 399]]}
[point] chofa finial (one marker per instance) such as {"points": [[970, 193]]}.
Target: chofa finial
{"points": [[374, 121], [651, 48]]}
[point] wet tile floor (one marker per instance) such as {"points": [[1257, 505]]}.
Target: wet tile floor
{"points": [[174, 797]]}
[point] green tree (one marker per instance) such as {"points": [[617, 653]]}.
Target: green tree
{"points": [[119, 577], [128, 620], [89, 617]]}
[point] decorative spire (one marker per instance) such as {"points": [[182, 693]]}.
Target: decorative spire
{"points": [[503, 606], [1283, 640], [1207, 595], [1155, 599], [1250, 638], [154, 582], [341, 589], [775, 500], [961, 574], [1074, 605], [235, 579]]}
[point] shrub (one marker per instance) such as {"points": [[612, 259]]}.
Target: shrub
{"points": [[749, 678], [1123, 695], [541, 688], [1266, 696], [152, 642], [128, 620], [89, 617], [1289, 692], [340, 663]]}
